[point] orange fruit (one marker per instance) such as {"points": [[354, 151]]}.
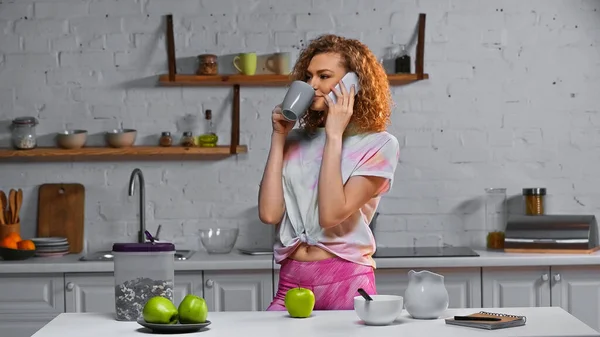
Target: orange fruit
{"points": [[8, 243], [14, 236], [26, 245]]}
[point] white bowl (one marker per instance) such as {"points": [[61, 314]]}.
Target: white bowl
{"points": [[382, 310]]}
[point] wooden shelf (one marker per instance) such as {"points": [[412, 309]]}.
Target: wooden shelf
{"points": [[236, 81], [128, 153], [260, 80]]}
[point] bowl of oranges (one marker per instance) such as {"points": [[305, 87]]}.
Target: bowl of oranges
{"points": [[13, 247]]}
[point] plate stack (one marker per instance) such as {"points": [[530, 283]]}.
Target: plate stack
{"points": [[52, 246]]}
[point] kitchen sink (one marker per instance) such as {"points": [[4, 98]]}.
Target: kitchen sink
{"points": [[106, 255]]}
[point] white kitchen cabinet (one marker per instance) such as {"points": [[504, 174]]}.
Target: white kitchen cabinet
{"points": [[187, 283], [516, 287], [463, 284], [90, 292], [577, 290], [28, 302], [95, 292], [240, 290]]}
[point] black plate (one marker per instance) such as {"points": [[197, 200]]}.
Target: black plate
{"points": [[173, 328]]}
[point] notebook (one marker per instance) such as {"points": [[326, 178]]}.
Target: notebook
{"points": [[506, 321]]}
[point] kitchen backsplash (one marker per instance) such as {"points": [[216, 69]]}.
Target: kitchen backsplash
{"points": [[511, 102]]}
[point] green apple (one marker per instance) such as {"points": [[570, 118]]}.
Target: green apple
{"points": [[160, 310], [299, 302], [192, 309]]}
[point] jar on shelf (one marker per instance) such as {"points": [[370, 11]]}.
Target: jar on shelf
{"points": [[402, 61], [187, 140], [23, 133], [207, 64], [165, 139], [534, 200]]}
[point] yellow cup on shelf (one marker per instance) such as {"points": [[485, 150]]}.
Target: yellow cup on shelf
{"points": [[245, 63]]}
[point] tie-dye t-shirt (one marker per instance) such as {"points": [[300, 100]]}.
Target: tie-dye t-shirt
{"points": [[373, 154]]}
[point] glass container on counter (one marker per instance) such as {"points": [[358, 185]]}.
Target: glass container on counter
{"points": [[495, 216], [23, 133], [142, 271]]}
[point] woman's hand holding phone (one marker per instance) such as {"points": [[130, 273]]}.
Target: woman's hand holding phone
{"points": [[339, 113]]}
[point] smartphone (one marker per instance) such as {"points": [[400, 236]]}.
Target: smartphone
{"points": [[349, 79]]}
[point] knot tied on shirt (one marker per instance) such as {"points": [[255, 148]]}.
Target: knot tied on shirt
{"points": [[307, 239]]}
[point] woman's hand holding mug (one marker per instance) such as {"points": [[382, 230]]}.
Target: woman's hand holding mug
{"points": [[280, 124]]}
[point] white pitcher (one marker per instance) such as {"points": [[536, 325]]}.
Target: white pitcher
{"points": [[426, 296]]}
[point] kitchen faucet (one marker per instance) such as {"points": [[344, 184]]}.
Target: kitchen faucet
{"points": [[137, 172]]}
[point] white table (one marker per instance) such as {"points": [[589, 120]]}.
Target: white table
{"points": [[541, 322]]}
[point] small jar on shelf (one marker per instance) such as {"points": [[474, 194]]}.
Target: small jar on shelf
{"points": [[165, 139], [209, 138], [23, 133], [402, 61], [207, 65], [187, 140]]}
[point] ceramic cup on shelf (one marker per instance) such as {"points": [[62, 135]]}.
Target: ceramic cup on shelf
{"points": [[279, 63], [245, 63]]}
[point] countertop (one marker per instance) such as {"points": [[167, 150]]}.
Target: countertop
{"points": [[237, 261], [541, 322]]}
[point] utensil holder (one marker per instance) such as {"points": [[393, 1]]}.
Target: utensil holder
{"points": [[10, 228]]}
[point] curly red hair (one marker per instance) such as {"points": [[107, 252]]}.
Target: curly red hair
{"points": [[372, 105]]}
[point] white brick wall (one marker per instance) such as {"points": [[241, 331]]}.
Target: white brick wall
{"points": [[510, 103]]}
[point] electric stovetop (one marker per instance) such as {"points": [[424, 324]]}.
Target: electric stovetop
{"points": [[445, 251]]}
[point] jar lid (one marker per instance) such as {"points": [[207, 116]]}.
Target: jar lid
{"points": [[143, 247], [25, 121], [534, 191], [208, 57], [166, 133], [187, 134]]}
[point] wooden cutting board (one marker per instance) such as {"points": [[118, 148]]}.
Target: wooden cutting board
{"points": [[61, 209]]}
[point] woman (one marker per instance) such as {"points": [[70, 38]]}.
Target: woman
{"points": [[323, 181]]}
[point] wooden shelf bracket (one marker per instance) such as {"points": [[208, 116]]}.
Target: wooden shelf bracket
{"points": [[235, 119], [171, 48], [420, 59], [235, 108]]}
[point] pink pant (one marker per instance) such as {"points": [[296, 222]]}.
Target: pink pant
{"points": [[334, 282]]}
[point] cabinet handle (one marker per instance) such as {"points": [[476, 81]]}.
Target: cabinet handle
{"points": [[70, 286], [545, 277], [209, 283], [556, 277]]}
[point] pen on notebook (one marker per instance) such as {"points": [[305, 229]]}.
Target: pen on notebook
{"points": [[474, 318]]}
